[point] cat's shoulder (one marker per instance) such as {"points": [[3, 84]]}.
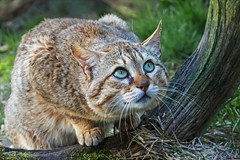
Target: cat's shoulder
{"points": [[115, 21]]}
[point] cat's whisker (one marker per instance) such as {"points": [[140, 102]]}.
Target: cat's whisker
{"points": [[130, 117], [132, 120], [170, 111], [167, 97], [125, 117], [113, 106], [183, 94], [113, 102], [173, 90], [119, 122], [161, 99], [173, 82], [121, 115], [130, 96]]}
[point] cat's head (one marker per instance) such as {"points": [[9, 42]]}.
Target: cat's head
{"points": [[123, 77]]}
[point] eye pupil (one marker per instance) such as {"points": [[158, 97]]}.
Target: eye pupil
{"points": [[148, 67], [120, 73]]}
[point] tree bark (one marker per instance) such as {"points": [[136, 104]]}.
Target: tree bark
{"points": [[208, 78]]}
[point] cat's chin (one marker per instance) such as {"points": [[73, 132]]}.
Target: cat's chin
{"points": [[143, 104], [144, 99]]}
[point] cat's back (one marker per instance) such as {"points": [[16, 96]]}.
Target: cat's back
{"points": [[107, 29]]}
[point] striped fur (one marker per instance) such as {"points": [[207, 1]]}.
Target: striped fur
{"points": [[63, 85]]}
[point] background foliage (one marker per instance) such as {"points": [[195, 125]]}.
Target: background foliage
{"points": [[182, 27]]}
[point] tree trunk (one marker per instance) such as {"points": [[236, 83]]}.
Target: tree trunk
{"points": [[200, 86], [208, 78]]}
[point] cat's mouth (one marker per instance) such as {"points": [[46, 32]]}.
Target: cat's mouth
{"points": [[143, 99]]}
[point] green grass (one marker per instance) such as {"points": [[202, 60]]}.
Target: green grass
{"points": [[15, 155], [6, 56], [229, 115], [8, 45], [98, 155], [10, 40]]}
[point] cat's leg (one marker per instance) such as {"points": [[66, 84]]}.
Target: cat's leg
{"points": [[88, 132], [129, 122]]}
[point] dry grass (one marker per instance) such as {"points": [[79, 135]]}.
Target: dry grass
{"points": [[154, 144]]}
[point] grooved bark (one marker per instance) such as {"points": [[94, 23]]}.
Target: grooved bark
{"points": [[204, 82], [208, 78]]}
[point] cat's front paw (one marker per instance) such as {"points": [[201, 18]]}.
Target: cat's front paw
{"points": [[128, 123], [90, 137]]}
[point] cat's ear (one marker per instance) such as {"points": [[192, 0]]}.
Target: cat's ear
{"points": [[152, 43], [87, 59]]}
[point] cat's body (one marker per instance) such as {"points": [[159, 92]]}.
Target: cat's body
{"points": [[72, 77]]}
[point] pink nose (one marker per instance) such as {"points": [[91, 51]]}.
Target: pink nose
{"points": [[143, 84]]}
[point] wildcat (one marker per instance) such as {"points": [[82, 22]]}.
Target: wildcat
{"points": [[73, 77]]}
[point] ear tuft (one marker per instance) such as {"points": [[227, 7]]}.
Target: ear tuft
{"points": [[152, 43]]}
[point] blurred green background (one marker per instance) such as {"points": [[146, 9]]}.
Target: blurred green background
{"points": [[183, 24]]}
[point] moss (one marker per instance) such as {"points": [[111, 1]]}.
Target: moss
{"points": [[15, 155], [94, 155]]}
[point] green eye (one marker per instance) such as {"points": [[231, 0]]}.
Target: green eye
{"points": [[120, 73], [148, 67]]}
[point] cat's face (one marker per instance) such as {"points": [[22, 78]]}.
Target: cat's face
{"points": [[125, 77]]}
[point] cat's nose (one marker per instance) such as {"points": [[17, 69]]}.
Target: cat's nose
{"points": [[143, 84]]}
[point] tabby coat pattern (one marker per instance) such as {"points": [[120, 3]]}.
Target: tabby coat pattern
{"points": [[73, 77]]}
